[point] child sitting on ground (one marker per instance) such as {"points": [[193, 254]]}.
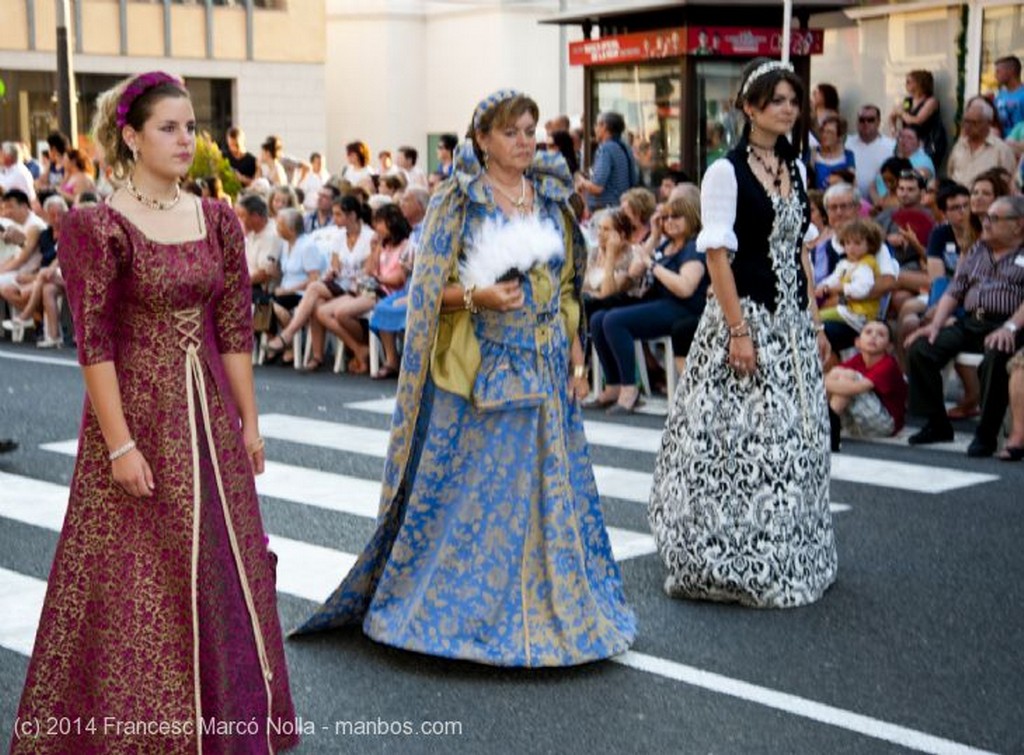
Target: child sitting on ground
{"points": [[867, 395], [844, 291]]}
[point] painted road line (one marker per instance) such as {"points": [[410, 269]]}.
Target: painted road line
{"points": [[22, 600], [303, 569], [797, 706], [39, 359], [351, 495], [636, 486], [22, 596], [612, 482]]}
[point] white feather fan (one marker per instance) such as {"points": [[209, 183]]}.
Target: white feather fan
{"points": [[517, 244]]}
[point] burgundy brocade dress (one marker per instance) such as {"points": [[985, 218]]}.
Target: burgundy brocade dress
{"points": [[160, 632]]}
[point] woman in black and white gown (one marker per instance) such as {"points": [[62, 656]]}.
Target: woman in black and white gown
{"points": [[740, 508]]}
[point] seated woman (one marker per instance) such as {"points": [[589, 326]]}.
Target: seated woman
{"points": [[830, 155], [302, 264], [388, 318], [383, 273], [678, 288], [639, 204], [608, 265], [26, 292], [76, 176], [349, 254]]}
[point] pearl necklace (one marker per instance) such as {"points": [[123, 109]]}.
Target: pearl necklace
{"points": [[520, 203], [153, 204]]}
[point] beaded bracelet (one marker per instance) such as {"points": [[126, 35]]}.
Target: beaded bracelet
{"points": [[740, 330], [467, 300], [120, 451]]}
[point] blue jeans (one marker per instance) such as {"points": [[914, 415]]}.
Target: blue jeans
{"points": [[614, 331]]}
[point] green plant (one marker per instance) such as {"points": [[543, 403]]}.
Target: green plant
{"points": [[210, 161]]}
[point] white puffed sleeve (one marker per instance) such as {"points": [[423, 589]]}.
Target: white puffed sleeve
{"points": [[812, 232], [718, 208]]}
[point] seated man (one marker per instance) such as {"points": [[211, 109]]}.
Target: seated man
{"points": [[989, 285], [867, 395]]}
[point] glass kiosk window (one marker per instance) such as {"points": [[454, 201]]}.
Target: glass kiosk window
{"points": [[648, 97], [719, 123]]}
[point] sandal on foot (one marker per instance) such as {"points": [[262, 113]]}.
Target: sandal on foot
{"points": [[1011, 453], [385, 372], [357, 366], [313, 364], [272, 352]]}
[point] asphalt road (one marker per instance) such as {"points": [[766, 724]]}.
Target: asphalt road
{"points": [[917, 646]]}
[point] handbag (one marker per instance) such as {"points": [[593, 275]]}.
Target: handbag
{"points": [[262, 316]]}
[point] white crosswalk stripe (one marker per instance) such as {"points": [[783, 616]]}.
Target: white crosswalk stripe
{"points": [[919, 478], [359, 497], [310, 571]]}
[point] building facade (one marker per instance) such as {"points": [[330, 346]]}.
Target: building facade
{"points": [[255, 63]]}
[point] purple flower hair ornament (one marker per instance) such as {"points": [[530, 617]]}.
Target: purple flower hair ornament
{"points": [[139, 86]]}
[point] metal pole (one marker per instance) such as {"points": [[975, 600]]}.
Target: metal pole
{"points": [[66, 97], [787, 28], [563, 62]]}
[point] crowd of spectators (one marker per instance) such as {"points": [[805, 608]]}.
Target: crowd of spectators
{"points": [[911, 230]]}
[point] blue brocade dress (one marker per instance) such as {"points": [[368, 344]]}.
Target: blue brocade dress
{"points": [[501, 555]]}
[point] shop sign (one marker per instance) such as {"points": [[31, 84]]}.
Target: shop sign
{"points": [[751, 42], [696, 40], [628, 48]]}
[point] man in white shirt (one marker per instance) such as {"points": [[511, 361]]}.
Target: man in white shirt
{"points": [[405, 161], [262, 244], [14, 174], [978, 149], [314, 176], [870, 148], [23, 231]]}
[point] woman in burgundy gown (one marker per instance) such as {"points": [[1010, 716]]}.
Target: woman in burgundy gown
{"points": [[160, 632]]}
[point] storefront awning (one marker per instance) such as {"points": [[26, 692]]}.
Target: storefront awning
{"points": [[607, 11]]}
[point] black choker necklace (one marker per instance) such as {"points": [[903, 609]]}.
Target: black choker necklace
{"points": [[775, 174]]}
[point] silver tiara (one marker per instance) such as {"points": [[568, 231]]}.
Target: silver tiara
{"points": [[761, 70]]}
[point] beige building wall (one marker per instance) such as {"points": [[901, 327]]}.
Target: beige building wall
{"points": [[393, 78], [14, 28], [280, 91], [867, 59]]}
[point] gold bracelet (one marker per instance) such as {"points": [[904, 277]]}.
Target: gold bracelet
{"points": [[120, 451], [467, 300], [579, 371], [819, 327], [256, 445]]}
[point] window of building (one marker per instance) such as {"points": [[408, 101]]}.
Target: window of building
{"points": [[1002, 33], [648, 96]]}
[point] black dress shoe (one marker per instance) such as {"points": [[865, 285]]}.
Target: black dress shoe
{"points": [[931, 434], [979, 448]]}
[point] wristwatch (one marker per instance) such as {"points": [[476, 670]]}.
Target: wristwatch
{"points": [[1011, 326]]}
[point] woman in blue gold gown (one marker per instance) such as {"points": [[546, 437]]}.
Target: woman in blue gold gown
{"points": [[490, 544]]}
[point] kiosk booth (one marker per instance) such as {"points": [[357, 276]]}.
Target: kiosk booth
{"points": [[672, 69]]}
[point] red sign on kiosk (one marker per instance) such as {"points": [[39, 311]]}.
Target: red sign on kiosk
{"points": [[728, 41]]}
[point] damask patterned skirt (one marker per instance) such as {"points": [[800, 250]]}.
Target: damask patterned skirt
{"points": [[502, 557], [740, 509]]}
